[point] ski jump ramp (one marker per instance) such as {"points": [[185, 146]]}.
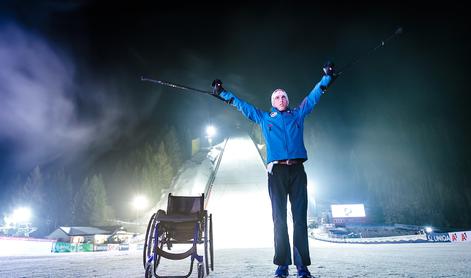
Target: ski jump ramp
{"points": [[239, 199]]}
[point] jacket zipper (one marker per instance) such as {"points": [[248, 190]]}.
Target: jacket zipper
{"points": [[286, 134]]}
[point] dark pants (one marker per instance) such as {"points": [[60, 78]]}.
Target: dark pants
{"points": [[289, 181]]}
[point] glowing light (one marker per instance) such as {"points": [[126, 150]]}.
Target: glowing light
{"points": [[20, 215], [210, 131], [428, 230], [242, 220], [311, 194], [353, 210], [139, 202], [239, 199]]}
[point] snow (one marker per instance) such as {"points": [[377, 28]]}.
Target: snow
{"points": [[239, 198], [328, 260], [191, 180], [10, 246], [243, 236]]}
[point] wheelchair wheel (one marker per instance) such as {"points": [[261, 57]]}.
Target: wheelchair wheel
{"points": [[149, 271], [206, 260], [200, 270], [211, 251], [147, 250]]}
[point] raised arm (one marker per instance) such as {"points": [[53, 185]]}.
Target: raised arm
{"points": [[307, 105], [248, 110]]}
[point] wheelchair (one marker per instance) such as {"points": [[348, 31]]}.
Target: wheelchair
{"points": [[185, 222]]}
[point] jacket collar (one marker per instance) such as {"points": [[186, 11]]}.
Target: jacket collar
{"points": [[273, 109]]}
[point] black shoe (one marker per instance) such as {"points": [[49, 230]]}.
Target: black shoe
{"points": [[303, 272], [282, 271]]}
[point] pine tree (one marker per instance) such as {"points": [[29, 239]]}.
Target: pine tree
{"points": [[90, 202], [174, 149], [165, 170], [65, 200], [32, 195], [149, 174], [60, 195]]}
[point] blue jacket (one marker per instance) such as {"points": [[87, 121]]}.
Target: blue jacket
{"points": [[283, 131]]}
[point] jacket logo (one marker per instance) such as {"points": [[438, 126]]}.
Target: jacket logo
{"points": [[273, 114]]}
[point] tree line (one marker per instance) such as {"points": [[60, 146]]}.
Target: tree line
{"points": [[410, 172], [95, 198]]}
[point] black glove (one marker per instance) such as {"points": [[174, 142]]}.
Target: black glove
{"points": [[217, 87], [328, 69]]}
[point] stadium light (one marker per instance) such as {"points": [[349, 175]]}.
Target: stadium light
{"points": [[20, 215], [139, 202], [210, 131]]}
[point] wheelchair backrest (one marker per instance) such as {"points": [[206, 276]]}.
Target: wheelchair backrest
{"points": [[185, 205]]}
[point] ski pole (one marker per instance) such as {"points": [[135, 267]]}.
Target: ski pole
{"points": [[182, 87], [369, 52]]}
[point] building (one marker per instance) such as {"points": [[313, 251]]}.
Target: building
{"points": [[94, 235]]}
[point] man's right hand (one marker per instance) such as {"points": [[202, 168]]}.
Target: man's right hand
{"points": [[217, 87], [328, 69]]}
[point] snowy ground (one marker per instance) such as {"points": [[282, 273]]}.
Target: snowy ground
{"points": [[328, 260], [240, 206]]}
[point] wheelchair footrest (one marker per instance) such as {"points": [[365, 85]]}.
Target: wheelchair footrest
{"points": [[174, 256]]}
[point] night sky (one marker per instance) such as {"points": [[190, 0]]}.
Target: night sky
{"points": [[70, 88]]}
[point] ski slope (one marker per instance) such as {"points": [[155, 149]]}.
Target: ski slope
{"points": [[239, 199]]}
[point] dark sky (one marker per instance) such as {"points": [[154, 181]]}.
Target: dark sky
{"points": [[70, 89]]}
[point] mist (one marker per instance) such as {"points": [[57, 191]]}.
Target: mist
{"points": [[40, 117]]}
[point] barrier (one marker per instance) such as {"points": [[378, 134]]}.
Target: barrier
{"points": [[438, 237], [454, 237], [375, 240], [15, 246], [100, 247], [457, 237], [65, 247]]}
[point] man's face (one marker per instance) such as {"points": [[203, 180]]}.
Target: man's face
{"points": [[280, 101]]}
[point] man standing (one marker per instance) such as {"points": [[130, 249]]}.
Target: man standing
{"points": [[282, 129]]}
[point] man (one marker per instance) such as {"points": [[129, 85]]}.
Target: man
{"points": [[282, 129]]}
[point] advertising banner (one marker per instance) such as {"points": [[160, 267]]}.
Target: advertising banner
{"points": [[65, 247], [84, 247], [438, 237], [62, 247], [113, 247], [101, 247], [123, 247], [460, 236], [346, 211]]}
